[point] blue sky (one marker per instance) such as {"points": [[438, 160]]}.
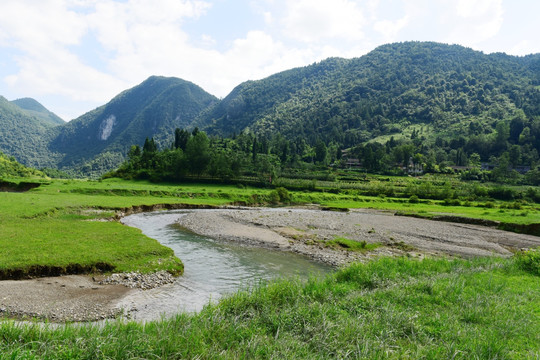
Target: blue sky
{"points": [[75, 55]]}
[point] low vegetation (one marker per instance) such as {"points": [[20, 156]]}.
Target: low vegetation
{"points": [[351, 245], [486, 308]]}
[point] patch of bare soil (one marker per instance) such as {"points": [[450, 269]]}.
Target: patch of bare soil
{"points": [[60, 299]]}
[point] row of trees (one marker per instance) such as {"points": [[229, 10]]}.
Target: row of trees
{"points": [[195, 155]]}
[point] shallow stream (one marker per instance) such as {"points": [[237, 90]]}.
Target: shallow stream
{"points": [[212, 268]]}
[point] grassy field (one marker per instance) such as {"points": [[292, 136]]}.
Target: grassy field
{"points": [[398, 308], [56, 227]]}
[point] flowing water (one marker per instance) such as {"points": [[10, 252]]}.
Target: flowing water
{"points": [[212, 268]]}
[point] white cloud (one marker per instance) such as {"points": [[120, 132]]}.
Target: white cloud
{"points": [[137, 36], [34, 25], [391, 28], [312, 21], [525, 47], [476, 21]]}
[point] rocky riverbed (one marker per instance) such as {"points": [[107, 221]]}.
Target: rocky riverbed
{"points": [[308, 231], [75, 297]]}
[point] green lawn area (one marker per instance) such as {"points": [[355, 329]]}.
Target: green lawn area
{"points": [[58, 225]]}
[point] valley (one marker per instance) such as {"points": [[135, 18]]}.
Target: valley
{"points": [[410, 175]]}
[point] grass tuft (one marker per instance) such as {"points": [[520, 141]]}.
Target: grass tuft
{"points": [[351, 245]]}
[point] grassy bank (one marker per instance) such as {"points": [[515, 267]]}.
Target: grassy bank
{"points": [[52, 230], [389, 308]]}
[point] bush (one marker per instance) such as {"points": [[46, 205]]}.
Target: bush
{"points": [[529, 261], [414, 199], [283, 194], [273, 197], [502, 193], [489, 205], [451, 202]]}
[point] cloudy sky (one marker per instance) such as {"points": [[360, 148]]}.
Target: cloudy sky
{"points": [[75, 55]]}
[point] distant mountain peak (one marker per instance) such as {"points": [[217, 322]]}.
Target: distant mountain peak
{"points": [[33, 108]]}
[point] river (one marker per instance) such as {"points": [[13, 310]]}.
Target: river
{"points": [[212, 268]]}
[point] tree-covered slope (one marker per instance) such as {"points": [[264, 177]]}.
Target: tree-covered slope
{"points": [[24, 137], [451, 89], [10, 168], [99, 139], [34, 108]]}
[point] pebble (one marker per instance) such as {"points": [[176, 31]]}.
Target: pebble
{"points": [[136, 280]]}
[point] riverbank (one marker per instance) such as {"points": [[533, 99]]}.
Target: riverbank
{"points": [[74, 298], [389, 308], [313, 233]]}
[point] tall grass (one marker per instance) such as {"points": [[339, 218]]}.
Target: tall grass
{"points": [[386, 309]]}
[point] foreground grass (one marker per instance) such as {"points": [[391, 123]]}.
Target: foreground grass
{"points": [[389, 308]]}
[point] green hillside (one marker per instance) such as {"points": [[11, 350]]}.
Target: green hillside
{"points": [[452, 90], [34, 108], [10, 168], [25, 137], [99, 140], [449, 104]]}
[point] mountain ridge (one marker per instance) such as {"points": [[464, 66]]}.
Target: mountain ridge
{"points": [[445, 91], [33, 108], [153, 108]]}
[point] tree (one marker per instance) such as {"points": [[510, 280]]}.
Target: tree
{"points": [[197, 153], [503, 133], [181, 138], [474, 160], [149, 146], [320, 151], [515, 155], [134, 156], [254, 150]]}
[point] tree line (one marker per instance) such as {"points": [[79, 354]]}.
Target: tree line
{"points": [[195, 155]]}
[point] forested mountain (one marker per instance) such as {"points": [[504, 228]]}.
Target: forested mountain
{"points": [[443, 104], [99, 140], [452, 90], [35, 109], [25, 137]]}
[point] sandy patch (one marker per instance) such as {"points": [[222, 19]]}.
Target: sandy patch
{"points": [[60, 299]]}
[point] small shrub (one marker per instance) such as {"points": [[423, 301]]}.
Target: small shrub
{"points": [[451, 202], [489, 205], [529, 261], [283, 194], [414, 199], [273, 197], [351, 245]]}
